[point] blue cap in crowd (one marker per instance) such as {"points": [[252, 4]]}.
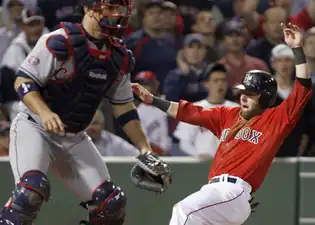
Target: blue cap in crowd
{"points": [[194, 38], [233, 27]]}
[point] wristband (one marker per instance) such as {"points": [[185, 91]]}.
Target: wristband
{"points": [[26, 88], [127, 117], [299, 55], [161, 104]]}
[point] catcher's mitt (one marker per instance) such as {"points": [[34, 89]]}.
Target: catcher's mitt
{"points": [[151, 173]]}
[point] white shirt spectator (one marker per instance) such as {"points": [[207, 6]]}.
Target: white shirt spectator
{"points": [[112, 145], [195, 140], [154, 124], [13, 57]]}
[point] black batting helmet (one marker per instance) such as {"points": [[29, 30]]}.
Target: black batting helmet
{"points": [[261, 83], [114, 22]]}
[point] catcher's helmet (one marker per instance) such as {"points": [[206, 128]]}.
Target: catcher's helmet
{"points": [[261, 83], [114, 22]]}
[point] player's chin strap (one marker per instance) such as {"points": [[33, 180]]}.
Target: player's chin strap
{"points": [[107, 206]]}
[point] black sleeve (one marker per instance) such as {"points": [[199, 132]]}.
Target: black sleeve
{"points": [[306, 82]]}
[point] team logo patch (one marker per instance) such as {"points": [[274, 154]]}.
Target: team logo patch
{"points": [[33, 60], [61, 74], [98, 75]]}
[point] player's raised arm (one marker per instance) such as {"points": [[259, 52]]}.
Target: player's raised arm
{"points": [[31, 76], [293, 38], [184, 111], [291, 108]]}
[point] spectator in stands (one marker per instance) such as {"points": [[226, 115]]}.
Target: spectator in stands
{"points": [[235, 58], [195, 140], [205, 25], [172, 26], [282, 59], [184, 82], [273, 35], [107, 143], [150, 48], [32, 28], [304, 19], [189, 9], [11, 13], [56, 11], [309, 49], [153, 121]]}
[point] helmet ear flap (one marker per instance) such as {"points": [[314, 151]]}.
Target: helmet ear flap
{"points": [[267, 99]]}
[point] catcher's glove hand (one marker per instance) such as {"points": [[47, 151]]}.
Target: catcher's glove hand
{"points": [[151, 173]]}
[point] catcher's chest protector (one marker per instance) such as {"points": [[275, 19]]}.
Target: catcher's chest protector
{"points": [[76, 97]]}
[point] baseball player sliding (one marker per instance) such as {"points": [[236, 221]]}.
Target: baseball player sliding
{"points": [[250, 136], [61, 84]]}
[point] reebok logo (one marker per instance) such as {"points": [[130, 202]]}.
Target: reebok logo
{"points": [[98, 75]]}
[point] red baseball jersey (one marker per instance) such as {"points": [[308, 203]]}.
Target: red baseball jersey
{"points": [[247, 147]]}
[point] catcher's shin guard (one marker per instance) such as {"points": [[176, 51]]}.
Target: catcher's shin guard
{"points": [[28, 196], [107, 206]]}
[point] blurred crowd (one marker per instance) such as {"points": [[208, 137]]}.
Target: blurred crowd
{"points": [[191, 50]]}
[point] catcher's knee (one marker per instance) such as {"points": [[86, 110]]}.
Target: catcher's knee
{"points": [[107, 205], [28, 196]]}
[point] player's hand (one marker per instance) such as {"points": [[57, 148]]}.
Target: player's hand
{"points": [[292, 35], [52, 122], [142, 93]]}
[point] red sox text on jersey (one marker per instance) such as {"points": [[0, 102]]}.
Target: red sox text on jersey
{"points": [[245, 134]]}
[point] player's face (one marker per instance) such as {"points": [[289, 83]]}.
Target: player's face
{"points": [[195, 53], [249, 104], [283, 65], [217, 84], [104, 15]]}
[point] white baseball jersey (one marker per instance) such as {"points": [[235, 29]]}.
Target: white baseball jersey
{"points": [[112, 145], [13, 57], [154, 124], [195, 140], [41, 66]]}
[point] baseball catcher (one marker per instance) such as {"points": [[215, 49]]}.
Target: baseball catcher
{"points": [[61, 84]]}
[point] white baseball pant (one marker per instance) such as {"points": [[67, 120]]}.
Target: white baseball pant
{"points": [[221, 203]]}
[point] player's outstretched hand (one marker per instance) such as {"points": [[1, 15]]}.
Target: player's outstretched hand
{"points": [[52, 122], [142, 93], [292, 35]]}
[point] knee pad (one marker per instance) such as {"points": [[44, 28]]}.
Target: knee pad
{"points": [[28, 196], [107, 205]]}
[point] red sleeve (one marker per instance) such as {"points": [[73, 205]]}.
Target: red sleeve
{"points": [[211, 119], [259, 31], [302, 19], [293, 106]]}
